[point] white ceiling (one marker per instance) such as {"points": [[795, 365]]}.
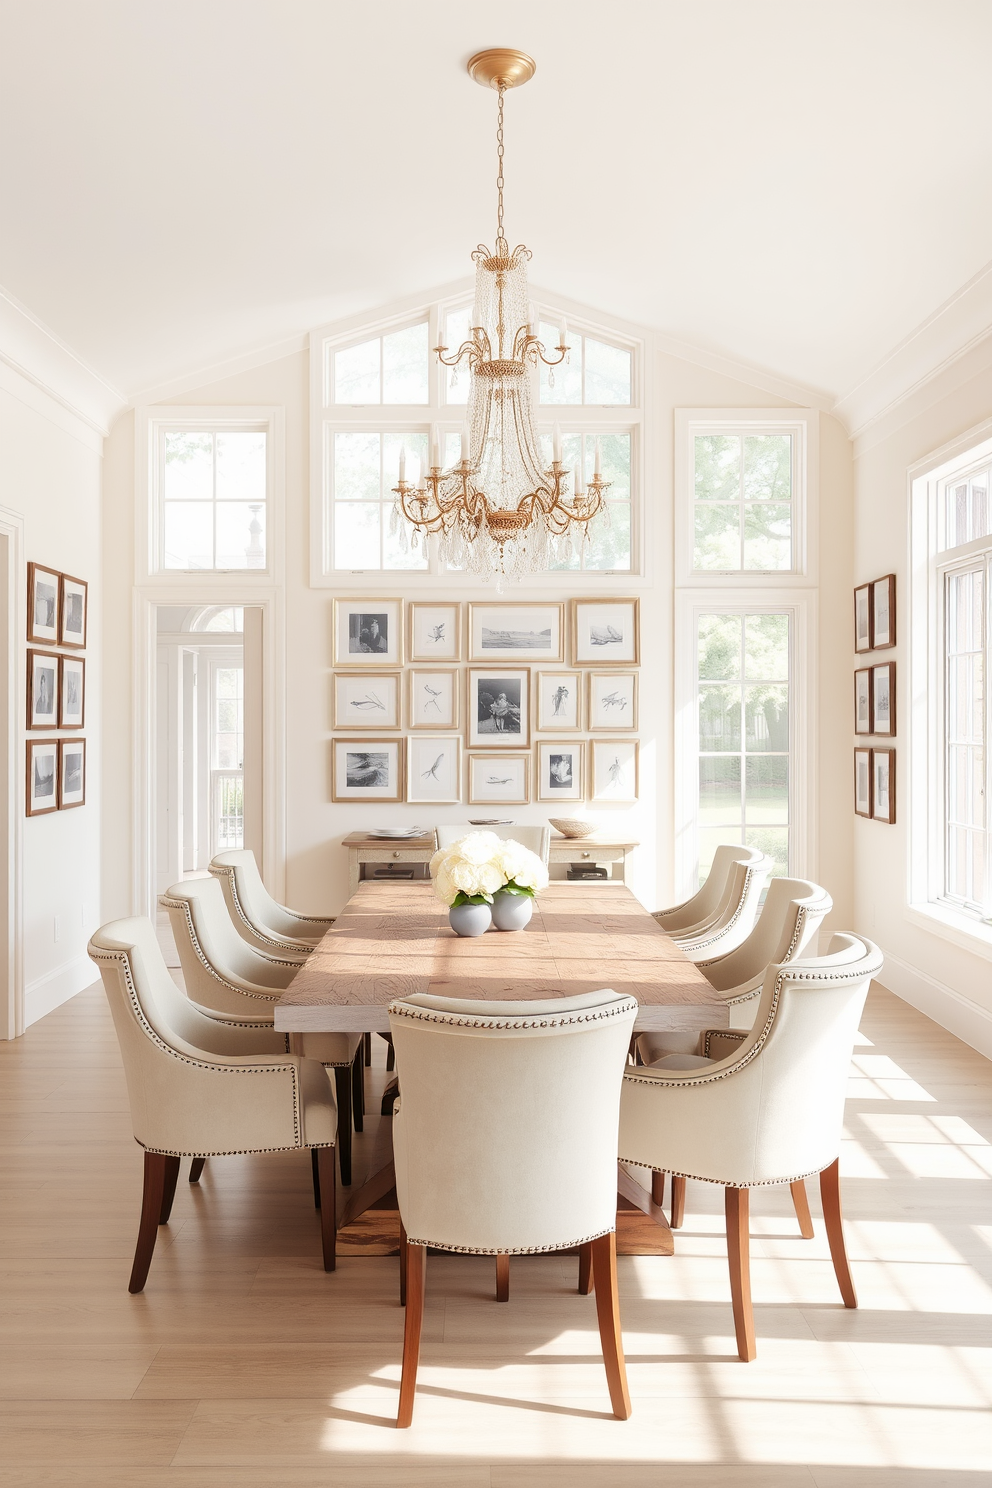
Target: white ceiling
{"points": [[794, 184]]}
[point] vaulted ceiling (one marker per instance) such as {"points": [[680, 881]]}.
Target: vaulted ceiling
{"points": [[796, 185]]}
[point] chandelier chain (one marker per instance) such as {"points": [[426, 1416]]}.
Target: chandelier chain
{"points": [[500, 235]]}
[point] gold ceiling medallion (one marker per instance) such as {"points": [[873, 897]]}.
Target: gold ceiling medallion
{"points": [[503, 509]]}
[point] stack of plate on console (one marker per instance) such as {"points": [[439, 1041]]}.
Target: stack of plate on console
{"points": [[395, 834]]}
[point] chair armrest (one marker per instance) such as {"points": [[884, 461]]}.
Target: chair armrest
{"points": [[721, 1043]]}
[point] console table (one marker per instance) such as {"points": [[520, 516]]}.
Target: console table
{"points": [[597, 849]]}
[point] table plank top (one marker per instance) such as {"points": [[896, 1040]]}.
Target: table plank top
{"points": [[394, 940]]}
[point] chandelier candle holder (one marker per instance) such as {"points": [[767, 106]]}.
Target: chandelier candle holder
{"points": [[501, 510]]}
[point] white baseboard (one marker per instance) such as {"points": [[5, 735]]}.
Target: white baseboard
{"points": [[958, 1014], [50, 991]]}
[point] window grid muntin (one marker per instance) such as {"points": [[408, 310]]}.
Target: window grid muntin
{"points": [[742, 504], [977, 835], [212, 430], [380, 334]]}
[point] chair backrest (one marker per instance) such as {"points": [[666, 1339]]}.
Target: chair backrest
{"points": [[536, 838], [505, 1138], [792, 913], [251, 905], [212, 954], [735, 915], [705, 904]]}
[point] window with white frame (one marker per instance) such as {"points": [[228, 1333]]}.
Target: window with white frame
{"points": [[380, 390]]}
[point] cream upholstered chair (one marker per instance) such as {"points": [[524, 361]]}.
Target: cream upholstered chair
{"points": [[735, 916], [255, 914], [225, 974], [701, 910], [204, 1087], [505, 1143], [760, 1107], [537, 838]]}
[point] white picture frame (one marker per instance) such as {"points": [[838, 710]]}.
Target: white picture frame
{"points": [[612, 702], [435, 631], [499, 707], [558, 701], [368, 632], [560, 772], [434, 698], [366, 700], [516, 631], [498, 779], [367, 769], [606, 632], [615, 765], [433, 768]]}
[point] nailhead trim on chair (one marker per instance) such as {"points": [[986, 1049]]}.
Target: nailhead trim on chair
{"points": [[697, 945], [463, 1020], [721, 1182], [518, 1250], [233, 1151], [226, 871], [801, 917], [183, 904]]}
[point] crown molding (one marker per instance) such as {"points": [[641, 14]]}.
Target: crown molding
{"points": [[29, 348]]}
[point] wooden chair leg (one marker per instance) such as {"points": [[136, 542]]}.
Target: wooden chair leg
{"points": [[416, 1276], [328, 1206], [739, 1256], [315, 1174], [678, 1201], [800, 1199], [367, 1047], [502, 1277], [358, 1092], [585, 1269], [403, 1262], [390, 1055], [151, 1214], [658, 1189], [834, 1221], [196, 1168], [604, 1265], [169, 1188], [342, 1089]]}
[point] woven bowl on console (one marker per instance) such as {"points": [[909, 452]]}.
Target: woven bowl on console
{"points": [[570, 826]]}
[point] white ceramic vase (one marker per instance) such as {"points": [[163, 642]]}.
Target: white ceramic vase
{"points": [[470, 919], [511, 911]]}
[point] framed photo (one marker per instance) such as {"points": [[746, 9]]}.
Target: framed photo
{"points": [[606, 632], [42, 776], [862, 618], [559, 770], [516, 632], [43, 604], [883, 785], [434, 768], [498, 779], [72, 613], [614, 770], [862, 782], [72, 692], [366, 700], [862, 701], [556, 699], [368, 632], [43, 689], [883, 698], [367, 770], [499, 707], [883, 613], [612, 700], [72, 773], [434, 699], [435, 632]]}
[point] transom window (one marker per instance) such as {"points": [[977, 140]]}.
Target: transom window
{"points": [[214, 498], [394, 368], [593, 372], [743, 492]]}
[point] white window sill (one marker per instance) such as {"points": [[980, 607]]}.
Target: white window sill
{"points": [[954, 925]]}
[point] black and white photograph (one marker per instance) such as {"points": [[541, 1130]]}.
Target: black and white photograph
{"points": [[614, 770], [883, 785], [883, 699], [72, 692], [862, 782], [434, 698], [498, 708], [368, 632], [883, 613], [612, 701], [516, 632], [557, 699], [366, 700], [435, 632], [605, 632], [72, 773], [42, 776], [43, 689], [498, 779], [433, 768], [559, 771], [862, 701], [43, 604], [862, 618], [72, 612], [367, 769]]}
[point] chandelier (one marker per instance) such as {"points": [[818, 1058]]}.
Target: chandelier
{"points": [[501, 510]]}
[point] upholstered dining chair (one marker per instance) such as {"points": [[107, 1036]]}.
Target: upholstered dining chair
{"points": [[204, 1087], [256, 916], [537, 838], [505, 1143], [760, 1107], [735, 915], [224, 974], [699, 911]]}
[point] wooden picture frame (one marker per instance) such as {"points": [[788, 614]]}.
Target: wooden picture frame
{"points": [[44, 592], [42, 777], [557, 701], [44, 689], [516, 631], [367, 769], [883, 699], [862, 782], [435, 631], [72, 692], [862, 701], [560, 770], [366, 700], [606, 632], [73, 612], [433, 768], [368, 632], [498, 709], [434, 696], [498, 779], [612, 701], [615, 771], [862, 618], [883, 785], [72, 773], [883, 613]]}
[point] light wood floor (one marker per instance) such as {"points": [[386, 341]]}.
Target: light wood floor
{"points": [[244, 1364]]}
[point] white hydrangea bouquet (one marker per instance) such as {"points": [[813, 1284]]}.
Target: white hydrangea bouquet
{"points": [[483, 870]]}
